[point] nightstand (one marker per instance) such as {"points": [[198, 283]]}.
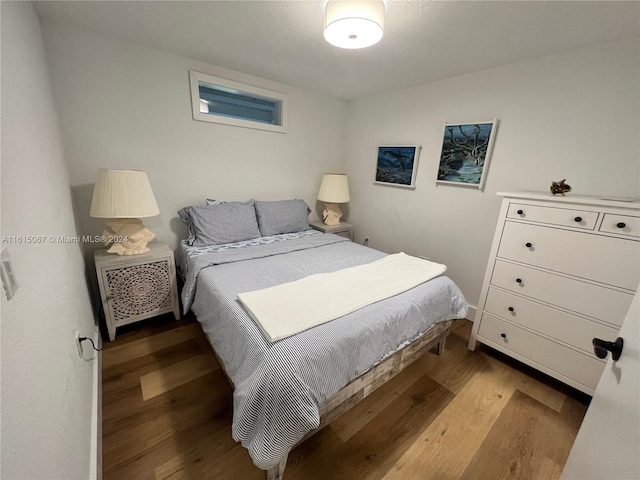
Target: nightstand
{"points": [[136, 287], [344, 229]]}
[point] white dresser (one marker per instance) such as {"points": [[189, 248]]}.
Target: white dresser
{"points": [[562, 271]]}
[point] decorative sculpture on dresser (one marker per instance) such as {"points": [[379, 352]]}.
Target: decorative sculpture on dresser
{"points": [[560, 187]]}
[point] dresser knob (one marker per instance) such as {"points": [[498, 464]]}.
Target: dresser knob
{"points": [[503, 335], [577, 219], [518, 280], [602, 347], [621, 225], [520, 212], [528, 245], [510, 309]]}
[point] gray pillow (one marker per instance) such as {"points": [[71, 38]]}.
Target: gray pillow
{"points": [[217, 224], [185, 216], [283, 216]]}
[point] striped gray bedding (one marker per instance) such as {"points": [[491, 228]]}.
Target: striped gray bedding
{"points": [[279, 386]]}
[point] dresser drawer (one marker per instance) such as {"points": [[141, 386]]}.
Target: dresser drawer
{"points": [[553, 216], [582, 368], [573, 253], [595, 301], [565, 327], [621, 225]]}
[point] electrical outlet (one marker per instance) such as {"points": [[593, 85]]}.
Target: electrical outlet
{"points": [[78, 344]]}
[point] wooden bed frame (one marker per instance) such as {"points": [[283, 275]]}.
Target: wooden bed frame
{"points": [[362, 386]]}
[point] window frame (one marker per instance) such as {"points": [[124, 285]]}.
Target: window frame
{"points": [[280, 99]]}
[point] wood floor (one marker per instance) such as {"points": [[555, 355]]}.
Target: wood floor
{"points": [[167, 411]]}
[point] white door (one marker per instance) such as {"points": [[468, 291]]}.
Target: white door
{"points": [[608, 443]]}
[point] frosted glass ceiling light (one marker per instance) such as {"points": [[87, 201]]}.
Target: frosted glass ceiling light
{"points": [[353, 23]]}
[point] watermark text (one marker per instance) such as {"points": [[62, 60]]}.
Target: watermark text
{"points": [[37, 239]]}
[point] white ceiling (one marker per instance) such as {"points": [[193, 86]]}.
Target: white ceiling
{"points": [[423, 41]]}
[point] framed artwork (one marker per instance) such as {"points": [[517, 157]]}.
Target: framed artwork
{"points": [[466, 151], [397, 165]]}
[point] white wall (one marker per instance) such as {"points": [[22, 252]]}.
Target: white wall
{"points": [[574, 115], [47, 390], [121, 105], [124, 105]]}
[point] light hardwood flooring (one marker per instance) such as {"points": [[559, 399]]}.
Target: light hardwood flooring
{"points": [[167, 411]]}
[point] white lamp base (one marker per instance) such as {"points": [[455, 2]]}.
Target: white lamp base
{"points": [[331, 214], [129, 237]]}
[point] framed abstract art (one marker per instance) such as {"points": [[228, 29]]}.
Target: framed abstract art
{"points": [[397, 165], [465, 154]]}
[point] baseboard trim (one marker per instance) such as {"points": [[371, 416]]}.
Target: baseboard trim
{"points": [[471, 314], [95, 468]]}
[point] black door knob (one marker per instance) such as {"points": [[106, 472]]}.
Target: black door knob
{"points": [[528, 245], [518, 280], [621, 225], [503, 335], [577, 219], [601, 347], [520, 212], [510, 309]]}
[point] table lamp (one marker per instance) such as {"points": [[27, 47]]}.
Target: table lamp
{"points": [[334, 189], [123, 197]]}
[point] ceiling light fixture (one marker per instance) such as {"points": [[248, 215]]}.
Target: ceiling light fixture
{"points": [[353, 23]]}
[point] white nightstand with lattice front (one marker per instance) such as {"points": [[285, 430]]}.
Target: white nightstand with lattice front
{"points": [[136, 287]]}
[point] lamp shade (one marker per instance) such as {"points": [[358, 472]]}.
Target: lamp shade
{"points": [[353, 23], [123, 194], [334, 188]]}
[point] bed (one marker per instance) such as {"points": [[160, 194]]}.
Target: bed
{"points": [[286, 390]]}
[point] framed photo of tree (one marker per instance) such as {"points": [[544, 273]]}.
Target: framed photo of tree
{"points": [[466, 151], [397, 165]]}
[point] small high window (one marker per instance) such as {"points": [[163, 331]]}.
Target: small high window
{"points": [[219, 100]]}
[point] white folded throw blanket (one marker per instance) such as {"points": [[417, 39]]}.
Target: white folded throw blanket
{"points": [[294, 307]]}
